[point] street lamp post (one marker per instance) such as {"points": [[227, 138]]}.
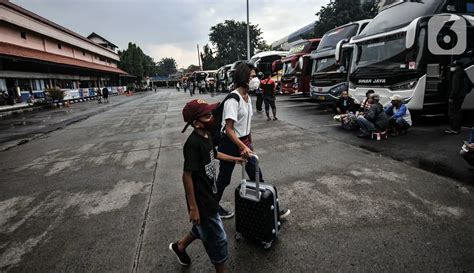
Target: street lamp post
{"points": [[248, 33]]}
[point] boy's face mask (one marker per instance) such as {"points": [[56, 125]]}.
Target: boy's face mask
{"points": [[207, 122]]}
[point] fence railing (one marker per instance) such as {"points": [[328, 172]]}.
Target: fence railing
{"points": [[71, 94]]}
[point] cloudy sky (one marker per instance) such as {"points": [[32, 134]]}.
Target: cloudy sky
{"points": [[172, 28]]}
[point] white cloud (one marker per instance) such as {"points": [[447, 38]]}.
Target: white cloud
{"points": [[172, 28], [278, 18], [184, 56]]}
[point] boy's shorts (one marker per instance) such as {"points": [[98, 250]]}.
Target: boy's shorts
{"points": [[212, 234]]}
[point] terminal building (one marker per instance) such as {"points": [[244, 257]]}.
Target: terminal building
{"points": [[37, 54]]}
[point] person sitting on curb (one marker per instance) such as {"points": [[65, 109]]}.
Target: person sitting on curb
{"points": [[374, 120], [345, 111], [470, 146], [199, 180], [349, 121], [344, 104], [365, 105], [400, 117]]}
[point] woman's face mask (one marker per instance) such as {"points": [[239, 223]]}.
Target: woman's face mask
{"points": [[254, 83]]}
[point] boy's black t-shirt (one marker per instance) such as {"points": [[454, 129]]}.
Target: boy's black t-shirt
{"points": [[199, 154]]}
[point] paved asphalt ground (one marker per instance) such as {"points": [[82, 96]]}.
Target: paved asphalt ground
{"points": [[102, 192]]}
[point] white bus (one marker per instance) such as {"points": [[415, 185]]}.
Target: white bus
{"points": [[392, 55]]}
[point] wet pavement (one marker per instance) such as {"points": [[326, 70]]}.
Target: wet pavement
{"points": [[104, 194]]}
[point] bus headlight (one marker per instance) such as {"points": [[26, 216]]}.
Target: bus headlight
{"points": [[337, 90], [404, 85]]}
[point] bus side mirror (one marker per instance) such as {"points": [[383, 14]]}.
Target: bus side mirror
{"points": [[412, 29], [338, 53]]}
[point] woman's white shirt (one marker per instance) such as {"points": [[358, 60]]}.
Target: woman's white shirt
{"points": [[240, 112]]}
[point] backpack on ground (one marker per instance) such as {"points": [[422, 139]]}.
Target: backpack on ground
{"points": [[216, 132]]}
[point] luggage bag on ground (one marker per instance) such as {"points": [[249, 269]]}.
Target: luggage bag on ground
{"points": [[256, 210]]}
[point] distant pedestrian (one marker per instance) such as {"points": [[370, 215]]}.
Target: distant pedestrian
{"points": [[199, 181], [202, 87], [99, 95], [185, 86], [177, 86], [460, 87], [212, 87], [105, 94], [194, 87], [269, 96], [259, 93]]}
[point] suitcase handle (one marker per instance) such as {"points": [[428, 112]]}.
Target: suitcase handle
{"points": [[257, 178]]}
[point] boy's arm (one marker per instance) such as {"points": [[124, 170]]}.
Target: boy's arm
{"points": [[225, 157], [189, 189]]}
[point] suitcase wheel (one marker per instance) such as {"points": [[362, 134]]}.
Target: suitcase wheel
{"points": [[238, 236], [267, 245]]}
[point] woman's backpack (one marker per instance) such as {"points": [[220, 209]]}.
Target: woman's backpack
{"points": [[216, 131]]}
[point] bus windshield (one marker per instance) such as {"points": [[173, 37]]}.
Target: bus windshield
{"points": [[325, 65], [288, 70], [331, 38], [387, 54], [399, 15]]}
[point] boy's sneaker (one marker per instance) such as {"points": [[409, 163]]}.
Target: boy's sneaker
{"points": [[284, 213], [183, 257], [225, 214]]}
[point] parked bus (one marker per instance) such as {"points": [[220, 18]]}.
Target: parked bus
{"points": [[392, 55], [222, 79], [263, 61], [296, 69], [329, 77], [230, 75]]}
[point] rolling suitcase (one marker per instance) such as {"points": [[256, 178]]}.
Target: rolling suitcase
{"points": [[256, 210]]}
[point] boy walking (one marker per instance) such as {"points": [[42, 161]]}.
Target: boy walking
{"points": [[199, 179]]}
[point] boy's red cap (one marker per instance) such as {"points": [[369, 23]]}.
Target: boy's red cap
{"points": [[195, 109]]}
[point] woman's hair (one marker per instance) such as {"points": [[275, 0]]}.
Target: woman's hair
{"points": [[369, 92], [242, 74]]}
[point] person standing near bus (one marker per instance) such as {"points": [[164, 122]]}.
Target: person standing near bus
{"points": [[460, 87], [105, 94], [268, 87], [259, 93]]}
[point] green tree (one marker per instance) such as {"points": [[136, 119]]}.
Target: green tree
{"points": [[166, 66], [191, 68], [340, 12], [208, 58], [137, 63], [230, 41]]}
